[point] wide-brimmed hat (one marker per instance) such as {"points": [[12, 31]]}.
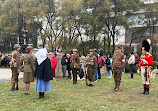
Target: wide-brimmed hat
{"points": [[91, 50], [75, 50], [119, 47], [16, 46], [29, 47]]}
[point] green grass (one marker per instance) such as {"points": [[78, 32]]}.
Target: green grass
{"points": [[68, 97]]}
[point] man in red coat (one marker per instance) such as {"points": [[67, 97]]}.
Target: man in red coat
{"points": [[145, 65], [54, 61]]}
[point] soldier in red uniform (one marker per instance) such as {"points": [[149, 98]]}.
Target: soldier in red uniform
{"points": [[145, 65]]}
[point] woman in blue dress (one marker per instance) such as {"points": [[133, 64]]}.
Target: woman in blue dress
{"points": [[43, 73]]}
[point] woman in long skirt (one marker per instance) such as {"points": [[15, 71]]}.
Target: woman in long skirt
{"points": [[43, 73]]}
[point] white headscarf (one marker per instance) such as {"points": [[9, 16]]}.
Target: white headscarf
{"points": [[41, 55]]}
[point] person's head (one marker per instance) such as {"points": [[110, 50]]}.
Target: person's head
{"points": [[109, 56], [54, 54], [17, 47], [64, 54], [146, 46], [101, 53], [29, 49], [74, 51], [91, 52], [131, 53], [71, 52], [95, 50], [144, 51], [68, 55], [118, 49]]}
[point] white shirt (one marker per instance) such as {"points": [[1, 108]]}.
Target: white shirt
{"points": [[131, 60]]}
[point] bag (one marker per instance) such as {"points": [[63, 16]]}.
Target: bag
{"points": [[12, 63]]}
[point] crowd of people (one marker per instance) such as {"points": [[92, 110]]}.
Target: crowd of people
{"points": [[4, 60], [43, 68]]}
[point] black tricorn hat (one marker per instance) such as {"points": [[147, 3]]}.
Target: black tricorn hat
{"points": [[146, 45]]}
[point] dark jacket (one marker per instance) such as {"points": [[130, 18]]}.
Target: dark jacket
{"points": [[63, 60], [68, 64], [44, 71], [108, 65]]}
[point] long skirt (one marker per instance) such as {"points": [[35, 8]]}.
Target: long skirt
{"points": [[42, 86]]}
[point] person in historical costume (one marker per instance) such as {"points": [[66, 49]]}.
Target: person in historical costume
{"points": [[117, 66], [43, 73], [15, 65], [28, 69], [75, 60], [91, 64], [146, 62]]}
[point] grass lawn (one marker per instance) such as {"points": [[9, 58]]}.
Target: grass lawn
{"points": [[68, 97]]}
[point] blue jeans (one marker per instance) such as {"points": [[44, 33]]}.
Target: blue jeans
{"points": [[131, 66], [99, 74], [123, 70], [95, 74], [109, 73]]}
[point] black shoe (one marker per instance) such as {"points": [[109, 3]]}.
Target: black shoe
{"points": [[147, 91], [17, 88], [90, 85], [144, 90]]}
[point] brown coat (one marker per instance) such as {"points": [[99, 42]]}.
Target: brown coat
{"points": [[75, 60], [118, 58], [29, 63], [15, 58], [91, 65], [29, 68]]}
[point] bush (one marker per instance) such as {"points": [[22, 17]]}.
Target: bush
{"points": [[154, 65], [127, 67]]}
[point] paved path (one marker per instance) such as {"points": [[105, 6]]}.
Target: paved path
{"points": [[5, 74]]}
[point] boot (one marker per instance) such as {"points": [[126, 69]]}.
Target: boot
{"points": [[144, 90], [17, 88], [147, 91], [117, 86], [40, 95], [12, 86], [43, 95]]}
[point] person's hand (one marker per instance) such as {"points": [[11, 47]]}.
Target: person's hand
{"points": [[139, 71], [146, 62], [19, 71]]}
